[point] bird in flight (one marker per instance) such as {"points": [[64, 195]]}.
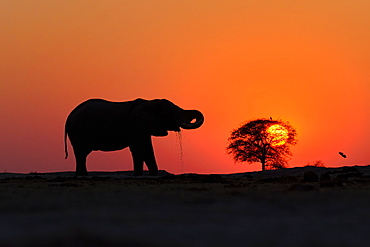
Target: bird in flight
{"points": [[343, 155]]}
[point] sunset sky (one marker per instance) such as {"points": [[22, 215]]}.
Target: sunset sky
{"points": [[306, 62]]}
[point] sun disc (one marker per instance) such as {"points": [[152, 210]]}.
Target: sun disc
{"points": [[278, 134]]}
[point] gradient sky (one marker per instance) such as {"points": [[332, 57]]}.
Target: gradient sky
{"points": [[306, 62]]}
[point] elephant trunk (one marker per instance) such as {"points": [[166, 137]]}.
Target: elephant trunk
{"points": [[191, 115]]}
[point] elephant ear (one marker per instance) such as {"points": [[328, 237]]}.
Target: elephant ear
{"points": [[145, 119]]}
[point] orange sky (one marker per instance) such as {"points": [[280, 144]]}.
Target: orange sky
{"points": [[306, 62]]}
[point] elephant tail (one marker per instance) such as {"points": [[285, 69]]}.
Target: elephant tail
{"points": [[65, 141]]}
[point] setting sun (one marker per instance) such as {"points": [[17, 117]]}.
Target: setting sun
{"points": [[278, 133]]}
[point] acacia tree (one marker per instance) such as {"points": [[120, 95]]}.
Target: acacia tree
{"points": [[263, 140]]}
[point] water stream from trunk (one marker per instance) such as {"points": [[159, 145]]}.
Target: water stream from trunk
{"points": [[180, 149]]}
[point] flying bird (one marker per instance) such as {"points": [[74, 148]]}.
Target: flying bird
{"points": [[270, 118], [343, 155]]}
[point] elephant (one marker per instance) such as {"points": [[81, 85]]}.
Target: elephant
{"points": [[98, 124]]}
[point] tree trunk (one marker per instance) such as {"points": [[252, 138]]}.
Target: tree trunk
{"points": [[264, 157], [263, 161]]}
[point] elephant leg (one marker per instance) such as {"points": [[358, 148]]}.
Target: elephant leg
{"points": [[138, 163], [142, 151], [80, 157], [150, 161]]}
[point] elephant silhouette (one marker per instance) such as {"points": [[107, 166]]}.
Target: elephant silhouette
{"points": [[98, 124]]}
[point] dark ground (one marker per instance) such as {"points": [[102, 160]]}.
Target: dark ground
{"points": [[307, 206]]}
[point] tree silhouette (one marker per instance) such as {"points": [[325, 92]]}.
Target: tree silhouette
{"points": [[263, 140]]}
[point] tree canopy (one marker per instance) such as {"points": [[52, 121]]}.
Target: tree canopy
{"points": [[263, 140]]}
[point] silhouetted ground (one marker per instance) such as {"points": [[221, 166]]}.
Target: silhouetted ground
{"points": [[307, 206]]}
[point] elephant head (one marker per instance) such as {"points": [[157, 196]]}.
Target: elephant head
{"points": [[157, 117]]}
